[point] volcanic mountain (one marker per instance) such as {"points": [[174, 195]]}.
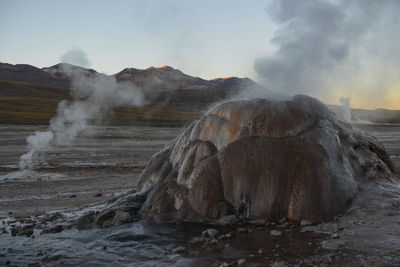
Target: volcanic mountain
{"points": [[163, 84], [30, 74], [30, 95]]}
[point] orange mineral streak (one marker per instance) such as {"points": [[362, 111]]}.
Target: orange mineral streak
{"points": [[209, 128], [227, 78], [163, 67], [215, 79], [235, 122], [235, 118], [150, 68]]}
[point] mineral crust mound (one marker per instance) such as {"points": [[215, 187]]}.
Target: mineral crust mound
{"points": [[262, 159]]}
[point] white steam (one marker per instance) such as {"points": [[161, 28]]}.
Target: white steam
{"points": [[93, 95], [345, 102], [327, 47], [76, 56]]}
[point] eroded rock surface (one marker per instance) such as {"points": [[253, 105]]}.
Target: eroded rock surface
{"points": [[262, 159]]}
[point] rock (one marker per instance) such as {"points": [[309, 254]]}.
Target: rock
{"points": [[122, 217], [98, 195], [179, 249], [282, 220], [227, 220], [241, 261], [53, 230], [275, 232], [125, 210], [86, 221], [26, 230], [226, 162], [51, 217], [105, 218], [211, 233], [335, 236], [197, 239], [260, 222], [305, 223]]}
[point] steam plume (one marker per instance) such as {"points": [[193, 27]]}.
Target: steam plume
{"points": [[76, 56], [325, 47], [347, 108], [93, 95]]}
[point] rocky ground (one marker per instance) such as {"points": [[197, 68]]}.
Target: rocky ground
{"points": [[99, 169]]}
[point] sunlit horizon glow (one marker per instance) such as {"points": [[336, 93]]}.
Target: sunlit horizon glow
{"points": [[206, 39]]}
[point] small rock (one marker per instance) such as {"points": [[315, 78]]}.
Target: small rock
{"points": [[282, 220], [335, 236], [72, 196], [242, 230], [122, 217], [179, 249], [241, 261], [173, 256], [227, 220], [260, 222], [105, 219], [260, 251], [197, 239], [305, 223], [229, 235], [51, 217], [53, 230], [26, 230], [275, 232], [214, 241], [86, 221], [98, 195], [211, 233]]}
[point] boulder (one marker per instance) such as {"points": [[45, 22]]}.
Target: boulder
{"points": [[262, 159]]}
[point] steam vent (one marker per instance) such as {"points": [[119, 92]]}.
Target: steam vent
{"points": [[262, 159]]}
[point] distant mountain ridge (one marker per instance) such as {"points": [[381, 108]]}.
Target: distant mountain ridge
{"points": [[164, 84], [161, 86], [30, 74]]}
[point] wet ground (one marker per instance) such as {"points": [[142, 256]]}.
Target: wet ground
{"points": [[106, 163], [100, 165]]}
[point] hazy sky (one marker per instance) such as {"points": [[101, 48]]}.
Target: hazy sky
{"points": [[203, 38], [325, 48]]}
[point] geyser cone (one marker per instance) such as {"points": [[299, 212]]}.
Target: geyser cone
{"points": [[262, 159]]}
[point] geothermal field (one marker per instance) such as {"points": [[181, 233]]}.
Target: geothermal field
{"points": [[200, 133], [106, 164]]}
